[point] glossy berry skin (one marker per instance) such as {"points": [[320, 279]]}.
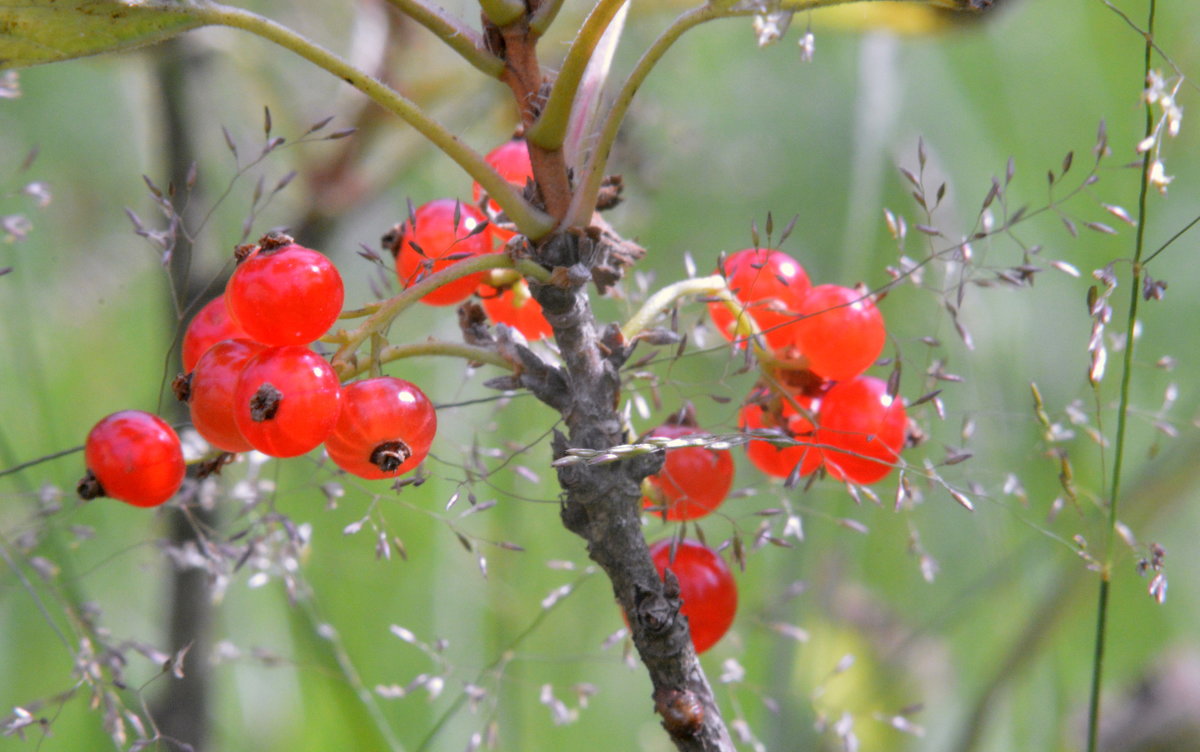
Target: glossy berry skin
{"points": [[842, 333], [136, 457], [706, 588], [211, 393], [859, 417], [693, 480], [777, 460], [442, 243], [208, 327], [511, 160], [385, 428], [517, 308], [771, 285], [286, 401], [288, 295]]}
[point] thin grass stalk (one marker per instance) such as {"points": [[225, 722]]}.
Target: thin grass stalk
{"points": [[1104, 595]]}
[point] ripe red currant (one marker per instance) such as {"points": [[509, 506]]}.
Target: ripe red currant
{"points": [[841, 334], [208, 327], [511, 160], [133, 456], [285, 294], [517, 308], [286, 401], [385, 428], [693, 480], [437, 242], [706, 587], [779, 460], [210, 393], [864, 425], [771, 286]]}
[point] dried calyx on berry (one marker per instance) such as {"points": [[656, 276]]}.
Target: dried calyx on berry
{"points": [[265, 403], [272, 241], [390, 455], [89, 487]]}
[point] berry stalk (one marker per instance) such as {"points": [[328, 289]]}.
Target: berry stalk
{"points": [[394, 306]]}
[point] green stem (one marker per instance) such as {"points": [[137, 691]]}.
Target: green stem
{"points": [[423, 349], [715, 286], [458, 36], [662, 300], [533, 222], [1122, 421], [546, 12], [551, 127], [394, 306]]}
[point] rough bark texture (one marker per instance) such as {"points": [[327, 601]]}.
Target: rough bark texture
{"points": [[602, 503]]}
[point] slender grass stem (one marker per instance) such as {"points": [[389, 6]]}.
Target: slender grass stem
{"points": [[1103, 598], [533, 222]]}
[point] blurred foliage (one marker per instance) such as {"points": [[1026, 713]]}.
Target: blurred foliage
{"points": [[994, 652]]}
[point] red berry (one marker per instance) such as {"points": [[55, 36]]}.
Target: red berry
{"points": [[210, 326], [441, 243], [842, 333], [693, 480], [771, 285], [385, 428], [780, 460], [285, 295], [706, 587], [859, 418], [211, 393], [517, 308], [286, 401], [511, 160], [135, 457]]}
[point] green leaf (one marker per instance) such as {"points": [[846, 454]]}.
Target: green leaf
{"points": [[45, 31]]}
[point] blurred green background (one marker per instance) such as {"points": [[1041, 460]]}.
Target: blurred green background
{"points": [[993, 654]]}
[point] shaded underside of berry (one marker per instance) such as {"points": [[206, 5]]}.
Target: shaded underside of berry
{"points": [[385, 428]]}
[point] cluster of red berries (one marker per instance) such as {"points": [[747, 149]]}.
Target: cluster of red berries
{"points": [[445, 231], [252, 382], [821, 340], [824, 337]]}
